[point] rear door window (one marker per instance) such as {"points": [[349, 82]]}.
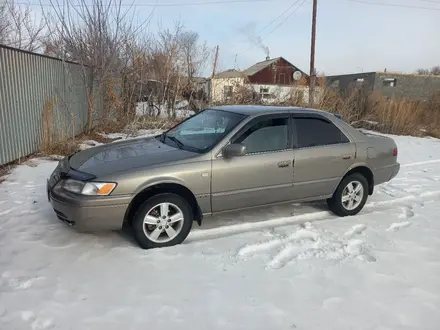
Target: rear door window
{"points": [[313, 132]]}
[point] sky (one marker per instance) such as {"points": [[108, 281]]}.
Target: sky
{"points": [[351, 36]]}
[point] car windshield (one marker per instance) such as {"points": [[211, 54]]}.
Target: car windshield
{"points": [[203, 131]]}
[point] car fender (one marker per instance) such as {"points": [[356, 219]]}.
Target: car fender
{"points": [[171, 180], [352, 167], [160, 180]]}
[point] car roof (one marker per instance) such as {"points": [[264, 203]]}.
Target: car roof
{"points": [[254, 110]]}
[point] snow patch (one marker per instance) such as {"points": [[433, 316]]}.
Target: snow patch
{"points": [[406, 212], [398, 225], [27, 315], [86, 144], [42, 324], [141, 133], [356, 230]]}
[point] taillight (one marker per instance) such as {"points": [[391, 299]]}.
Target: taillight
{"points": [[395, 152]]}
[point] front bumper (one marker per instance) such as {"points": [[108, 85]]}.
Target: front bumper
{"points": [[88, 213]]}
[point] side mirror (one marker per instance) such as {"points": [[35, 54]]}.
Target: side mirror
{"points": [[234, 150]]}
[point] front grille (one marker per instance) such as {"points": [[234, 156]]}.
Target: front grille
{"points": [[54, 179]]}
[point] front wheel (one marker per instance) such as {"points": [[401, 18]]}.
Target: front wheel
{"points": [[350, 196], [163, 220]]}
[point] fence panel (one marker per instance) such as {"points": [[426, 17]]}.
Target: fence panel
{"points": [[41, 98]]}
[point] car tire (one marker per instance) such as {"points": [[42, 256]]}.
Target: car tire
{"points": [[167, 231], [346, 201]]}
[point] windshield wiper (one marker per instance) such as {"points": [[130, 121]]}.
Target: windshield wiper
{"points": [[172, 138]]}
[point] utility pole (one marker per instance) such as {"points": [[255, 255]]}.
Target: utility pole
{"points": [[312, 56], [214, 67], [215, 62]]}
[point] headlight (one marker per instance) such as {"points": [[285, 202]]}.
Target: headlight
{"points": [[74, 186], [89, 188]]}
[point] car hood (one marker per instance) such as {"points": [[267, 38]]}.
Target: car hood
{"points": [[122, 156]]}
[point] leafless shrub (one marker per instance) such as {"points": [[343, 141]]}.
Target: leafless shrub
{"points": [[435, 71], [91, 33]]}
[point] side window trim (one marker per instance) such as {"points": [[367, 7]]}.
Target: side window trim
{"points": [[294, 133], [267, 117], [317, 117]]}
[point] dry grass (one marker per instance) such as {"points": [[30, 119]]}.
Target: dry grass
{"points": [[4, 171], [63, 148], [131, 128], [67, 147], [48, 125], [399, 117], [404, 117], [369, 110]]}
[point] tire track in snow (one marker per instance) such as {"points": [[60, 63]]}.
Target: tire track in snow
{"points": [[398, 225], [323, 246], [214, 233], [356, 230], [206, 234], [300, 235], [425, 162]]}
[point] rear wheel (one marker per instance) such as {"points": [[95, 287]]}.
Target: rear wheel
{"points": [[350, 196], [163, 220]]}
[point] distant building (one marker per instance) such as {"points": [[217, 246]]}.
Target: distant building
{"points": [[270, 78], [392, 85]]}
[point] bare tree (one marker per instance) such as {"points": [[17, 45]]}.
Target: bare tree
{"points": [[163, 67], [194, 54], [194, 58], [435, 71], [4, 24], [92, 33], [422, 71], [19, 27]]}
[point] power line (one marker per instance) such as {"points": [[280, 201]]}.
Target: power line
{"points": [[281, 23], [266, 26], [431, 1], [185, 4], [279, 16], [394, 5], [285, 20]]}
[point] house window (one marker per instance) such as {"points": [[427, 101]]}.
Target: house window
{"points": [[282, 78], [390, 82], [334, 84], [227, 91], [359, 82], [264, 93]]}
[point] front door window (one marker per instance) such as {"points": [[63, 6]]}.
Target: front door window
{"points": [[266, 135]]}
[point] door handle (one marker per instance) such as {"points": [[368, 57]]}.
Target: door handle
{"points": [[346, 156], [284, 164]]}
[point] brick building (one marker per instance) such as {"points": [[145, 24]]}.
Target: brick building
{"points": [[267, 78]]}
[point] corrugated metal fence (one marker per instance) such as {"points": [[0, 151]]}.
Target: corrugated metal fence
{"points": [[40, 97]]}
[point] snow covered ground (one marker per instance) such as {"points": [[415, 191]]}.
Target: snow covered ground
{"points": [[289, 267]]}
